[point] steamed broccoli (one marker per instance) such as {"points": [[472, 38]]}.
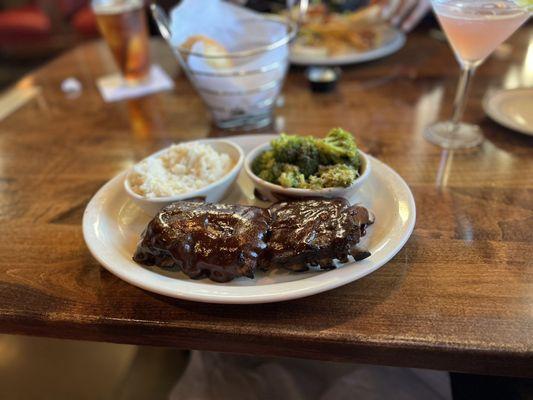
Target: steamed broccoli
{"points": [[339, 175], [266, 167], [313, 182], [338, 147], [297, 150], [306, 162], [291, 177]]}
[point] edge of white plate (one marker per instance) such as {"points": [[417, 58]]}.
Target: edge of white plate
{"points": [[291, 290], [389, 48], [497, 116]]}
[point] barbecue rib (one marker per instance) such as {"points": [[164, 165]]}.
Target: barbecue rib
{"points": [[215, 241], [314, 232], [223, 242]]}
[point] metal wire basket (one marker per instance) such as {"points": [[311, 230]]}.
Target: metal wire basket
{"points": [[244, 95]]}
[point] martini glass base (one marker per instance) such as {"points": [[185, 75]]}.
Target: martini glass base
{"points": [[454, 136]]}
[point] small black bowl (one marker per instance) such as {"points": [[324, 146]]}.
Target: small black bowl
{"points": [[323, 79]]}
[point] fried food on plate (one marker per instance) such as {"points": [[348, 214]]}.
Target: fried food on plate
{"points": [[337, 34]]}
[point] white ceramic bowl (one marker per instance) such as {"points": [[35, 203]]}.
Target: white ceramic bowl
{"points": [[210, 193], [275, 192]]}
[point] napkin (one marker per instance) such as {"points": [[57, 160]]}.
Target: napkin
{"points": [[114, 88], [237, 29]]}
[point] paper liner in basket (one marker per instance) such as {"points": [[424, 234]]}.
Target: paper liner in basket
{"points": [[237, 29]]}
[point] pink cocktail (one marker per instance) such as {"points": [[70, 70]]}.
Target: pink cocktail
{"points": [[474, 29]]}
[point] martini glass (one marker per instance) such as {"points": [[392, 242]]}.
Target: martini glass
{"points": [[474, 29]]}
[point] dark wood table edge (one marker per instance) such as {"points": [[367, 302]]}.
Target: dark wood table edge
{"points": [[444, 357]]}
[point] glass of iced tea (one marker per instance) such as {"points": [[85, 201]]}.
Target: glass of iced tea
{"points": [[123, 26]]}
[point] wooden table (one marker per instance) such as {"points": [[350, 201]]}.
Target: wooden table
{"points": [[458, 297]]}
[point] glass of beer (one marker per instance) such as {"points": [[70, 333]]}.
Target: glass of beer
{"points": [[123, 26]]}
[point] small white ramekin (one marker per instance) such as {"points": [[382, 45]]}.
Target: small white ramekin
{"points": [[276, 192], [211, 193]]}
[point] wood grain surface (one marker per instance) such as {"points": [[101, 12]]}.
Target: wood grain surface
{"points": [[458, 297]]}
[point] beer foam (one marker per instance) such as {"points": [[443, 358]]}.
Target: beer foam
{"points": [[116, 7]]}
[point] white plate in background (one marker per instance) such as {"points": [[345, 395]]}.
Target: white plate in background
{"points": [[512, 108], [112, 225]]}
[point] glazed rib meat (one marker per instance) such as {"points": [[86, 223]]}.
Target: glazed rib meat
{"points": [[222, 242], [217, 241], [315, 232]]}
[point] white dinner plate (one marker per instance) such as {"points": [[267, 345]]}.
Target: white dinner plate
{"points": [[512, 108], [112, 225], [392, 42]]}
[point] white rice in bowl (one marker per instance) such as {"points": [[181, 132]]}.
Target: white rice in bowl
{"points": [[180, 169]]}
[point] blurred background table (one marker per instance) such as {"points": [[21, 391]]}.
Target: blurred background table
{"points": [[458, 297]]}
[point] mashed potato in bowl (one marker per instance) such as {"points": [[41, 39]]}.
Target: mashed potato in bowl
{"points": [[182, 168]]}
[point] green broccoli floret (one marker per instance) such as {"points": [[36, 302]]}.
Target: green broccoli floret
{"points": [[306, 162], [297, 150], [338, 147], [291, 177], [339, 175], [313, 182], [266, 167]]}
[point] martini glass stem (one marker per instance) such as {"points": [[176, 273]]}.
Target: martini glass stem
{"points": [[467, 72]]}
